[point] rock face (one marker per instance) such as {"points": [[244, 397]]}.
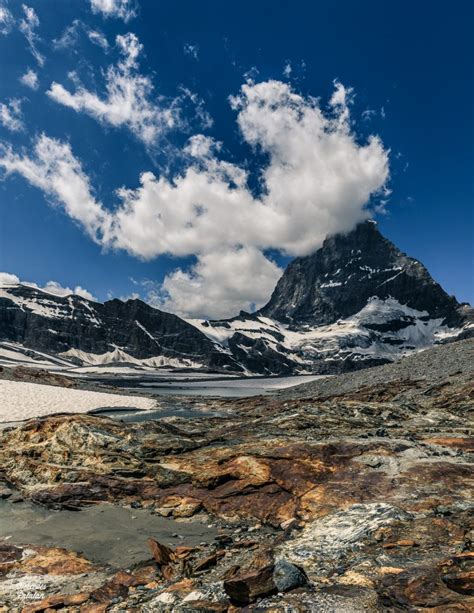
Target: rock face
{"points": [[348, 270], [114, 331]]}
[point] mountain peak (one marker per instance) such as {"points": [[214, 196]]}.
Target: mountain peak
{"points": [[346, 272]]}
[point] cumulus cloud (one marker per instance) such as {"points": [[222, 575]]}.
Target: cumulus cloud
{"points": [[128, 100], [6, 19], [318, 179], [53, 287], [6, 278], [11, 116], [120, 9], [27, 27], [220, 284], [30, 79]]}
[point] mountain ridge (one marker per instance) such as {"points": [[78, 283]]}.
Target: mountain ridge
{"points": [[358, 301]]}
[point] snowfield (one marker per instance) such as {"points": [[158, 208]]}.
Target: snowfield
{"points": [[20, 401]]}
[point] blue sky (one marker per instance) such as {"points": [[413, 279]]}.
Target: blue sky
{"points": [[401, 70]]}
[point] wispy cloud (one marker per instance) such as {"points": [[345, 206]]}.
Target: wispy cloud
{"points": [[6, 19], [120, 9], [129, 101], [191, 50], [318, 180], [98, 38], [69, 38], [30, 79], [11, 116], [27, 27]]}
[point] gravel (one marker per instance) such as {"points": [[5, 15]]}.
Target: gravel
{"points": [[433, 364]]}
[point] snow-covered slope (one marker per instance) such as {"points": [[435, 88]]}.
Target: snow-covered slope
{"points": [[383, 330]]}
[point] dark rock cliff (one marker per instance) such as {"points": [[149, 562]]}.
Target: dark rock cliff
{"points": [[55, 324], [339, 278]]}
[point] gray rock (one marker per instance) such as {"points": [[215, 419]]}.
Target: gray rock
{"points": [[287, 576], [339, 278]]}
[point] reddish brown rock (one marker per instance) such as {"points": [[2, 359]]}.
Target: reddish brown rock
{"points": [[162, 554], [255, 580], [56, 602], [243, 587]]}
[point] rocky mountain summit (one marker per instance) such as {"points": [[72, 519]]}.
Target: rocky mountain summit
{"points": [[358, 301], [341, 277]]}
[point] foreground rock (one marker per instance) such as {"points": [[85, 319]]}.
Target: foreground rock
{"points": [[355, 497]]}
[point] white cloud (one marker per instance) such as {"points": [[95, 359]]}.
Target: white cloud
{"points": [[27, 27], [368, 114], [30, 79], [6, 20], [56, 171], [53, 287], [11, 116], [128, 100], [221, 284], [192, 50], [98, 38], [7, 278], [318, 180], [287, 69], [121, 9], [70, 37]]}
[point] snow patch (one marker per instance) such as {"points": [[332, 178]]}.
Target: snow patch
{"points": [[20, 400]]}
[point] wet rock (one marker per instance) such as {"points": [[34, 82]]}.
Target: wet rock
{"points": [[9, 553], [287, 576]]}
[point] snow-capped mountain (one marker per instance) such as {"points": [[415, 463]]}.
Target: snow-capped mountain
{"points": [[81, 331], [356, 302]]}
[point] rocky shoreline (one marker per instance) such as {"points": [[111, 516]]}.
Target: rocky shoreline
{"points": [[351, 494]]}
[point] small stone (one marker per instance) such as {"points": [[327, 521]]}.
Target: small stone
{"points": [[5, 493], [253, 528], [288, 523], [14, 498], [287, 576], [163, 511]]}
